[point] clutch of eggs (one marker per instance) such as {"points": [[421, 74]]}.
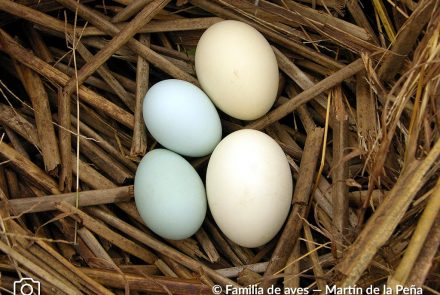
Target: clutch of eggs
{"points": [[248, 180]]}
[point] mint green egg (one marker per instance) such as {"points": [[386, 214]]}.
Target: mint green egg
{"points": [[182, 118], [169, 194]]}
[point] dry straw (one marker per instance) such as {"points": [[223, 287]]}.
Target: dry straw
{"points": [[358, 116]]}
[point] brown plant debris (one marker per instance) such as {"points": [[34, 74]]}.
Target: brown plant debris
{"points": [[357, 115]]}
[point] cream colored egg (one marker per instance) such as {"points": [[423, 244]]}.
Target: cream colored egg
{"points": [[238, 69], [249, 187]]}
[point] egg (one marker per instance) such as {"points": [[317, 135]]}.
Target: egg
{"points": [[182, 118], [169, 194], [237, 69], [249, 187]]}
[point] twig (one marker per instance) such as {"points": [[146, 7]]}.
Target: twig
{"points": [[34, 15], [142, 237], [405, 40], [118, 40], [15, 121], [86, 198], [424, 262], [418, 238], [366, 112], [43, 117], [382, 223], [104, 144], [28, 169], [207, 245], [307, 95], [107, 76], [154, 58], [139, 142], [340, 168], [130, 10], [291, 279], [317, 268], [37, 269], [359, 17], [10, 46], [301, 202], [222, 243], [150, 284], [113, 237]]}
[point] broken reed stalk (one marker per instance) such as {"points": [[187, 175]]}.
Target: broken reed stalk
{"points": [[15, 141], [360, 18], [89, 175], [418, 238], [365, 112], [244, 254], [65, 178], [59, 263], [86, 198], [339, 169], [207, 245], [382, 223], [102, 258], [425, 260], [222, 243], [92, 65], [91, 81], [405, 40], [139, 142], [301, 203], [43, 117], [291, 273]]}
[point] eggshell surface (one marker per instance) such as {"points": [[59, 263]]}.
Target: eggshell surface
{"points": [[182, 118], [237, 68], [249, 187], [169, 195]]}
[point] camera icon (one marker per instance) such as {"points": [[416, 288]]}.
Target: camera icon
{"points": [[27, 286]]}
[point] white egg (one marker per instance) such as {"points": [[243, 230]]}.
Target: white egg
{"points": [[249, 187], [238, 69]]}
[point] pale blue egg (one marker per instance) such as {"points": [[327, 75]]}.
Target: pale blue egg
{"points": [[182, 118], [169, 195]]}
